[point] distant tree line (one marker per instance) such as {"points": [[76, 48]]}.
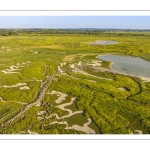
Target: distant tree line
{"points": [[109, 32]]}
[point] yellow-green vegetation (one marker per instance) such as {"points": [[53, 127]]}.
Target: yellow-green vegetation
{"points": [[50, 83]]}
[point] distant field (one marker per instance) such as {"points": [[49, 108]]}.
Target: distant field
{"points": [[53, 84]]}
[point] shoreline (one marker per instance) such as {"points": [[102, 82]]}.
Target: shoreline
{"points": [[110, 69]]}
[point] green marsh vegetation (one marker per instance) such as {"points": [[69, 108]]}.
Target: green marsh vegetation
{"points": [[117, 104]]}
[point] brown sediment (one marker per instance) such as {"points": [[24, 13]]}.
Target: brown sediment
{"points": [[78, 70], [22, 86], [14, 69], [62, 96], [85, 128], [2, 100], [62, 107]]}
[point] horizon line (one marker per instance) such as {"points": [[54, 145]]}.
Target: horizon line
{"points": [[78, 28]]}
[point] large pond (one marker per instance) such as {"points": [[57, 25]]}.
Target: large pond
{"points": [[129, 65], [100, 42]]}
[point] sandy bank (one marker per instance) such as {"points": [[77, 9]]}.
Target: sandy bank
{"points": [[2, 100], [62, 96], [22, 86], [62, 107], [85, 128], [145, 79], [14, 69]]}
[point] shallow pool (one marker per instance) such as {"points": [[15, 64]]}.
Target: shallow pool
{"points": [[100, 42], [129, 65]]}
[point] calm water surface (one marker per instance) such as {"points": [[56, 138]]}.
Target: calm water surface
{"points": [[127, 64], [100, 42]]}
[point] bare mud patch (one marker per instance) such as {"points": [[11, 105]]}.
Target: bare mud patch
{"points": [[2, 100], [79, 63], [85, 128], [61, 98], [11, 69], [22, 86], [39, 104], [95, 63], [71, 113], [145, 79], [41, 113], [77, 68], [84, 73], [16, 85], [138, 132], [60, 71], [122, 89], [62, 107], [63, 64], [15, 68]]}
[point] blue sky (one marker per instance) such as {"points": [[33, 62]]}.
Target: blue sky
{"points": [[125, 22]]}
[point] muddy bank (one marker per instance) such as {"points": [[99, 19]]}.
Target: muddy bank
{"points": [[61, 98], [22, 86], [62, 107], [85, 128], [127, 65]]}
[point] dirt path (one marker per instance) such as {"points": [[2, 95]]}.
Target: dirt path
{"points": [[39, 97], [45, 70]]}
